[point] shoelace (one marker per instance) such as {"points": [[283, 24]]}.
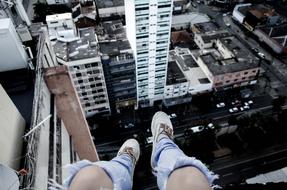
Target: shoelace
{"points": [[167, 130], [129, 151]]}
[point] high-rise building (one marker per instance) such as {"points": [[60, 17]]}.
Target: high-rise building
{"points": [[148, 29], [13, 54], [84, 61]]}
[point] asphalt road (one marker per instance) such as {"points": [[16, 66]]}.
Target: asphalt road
{"points": [[111, 143], [236, 170]]}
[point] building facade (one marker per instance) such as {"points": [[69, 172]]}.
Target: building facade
{"points": [[12, 53], [148, 30], [84, 61], [227, 64], [12, 130], [119, 68]]}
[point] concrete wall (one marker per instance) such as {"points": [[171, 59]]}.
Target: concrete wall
{"points": [[109, 11], [13, 55], [12, 126]]}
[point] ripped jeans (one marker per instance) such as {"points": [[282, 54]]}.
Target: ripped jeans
{"points": [[167, 157]]}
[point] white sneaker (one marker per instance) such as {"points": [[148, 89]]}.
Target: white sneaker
{"points": [[131, 148], [161, 127]]}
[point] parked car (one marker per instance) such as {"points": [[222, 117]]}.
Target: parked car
{"points": [[130, 125], [233, 110], [236, 102], [220, 105], [173, 115], [197, 129], [260, 54]]}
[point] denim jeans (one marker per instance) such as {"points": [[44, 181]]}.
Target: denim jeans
{"points": [[167, 157]]}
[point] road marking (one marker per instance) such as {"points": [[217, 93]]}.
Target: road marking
{"points": [[245, 169], [228, 174]]}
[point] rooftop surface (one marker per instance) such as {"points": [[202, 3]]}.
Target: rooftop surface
{"points": [[109, 3], [111, 30], [209, 36], [277, 33], [80, 48], [56, 17], [115, 47], [206, 26], [258, 10], [192, 18], [188, 66], [242, 58], [174, 74]]}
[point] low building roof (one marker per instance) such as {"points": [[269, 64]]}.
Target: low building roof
{"points": [[188, 66], [174, 74], [81, 48]]}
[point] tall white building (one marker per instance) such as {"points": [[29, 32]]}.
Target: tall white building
{"points": [[148, 24], [12, 53]]}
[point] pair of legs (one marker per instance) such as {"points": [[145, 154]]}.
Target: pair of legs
{"points": [[173, 169]]}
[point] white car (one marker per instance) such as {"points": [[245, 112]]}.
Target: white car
{"points": [[210, 125], [173, 115], [220, 105], [260, 54], [246, 107], [197, 129], [250, 102], [233, 110]]}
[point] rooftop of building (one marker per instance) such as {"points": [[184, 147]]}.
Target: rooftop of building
{"points": [[191, 17], [277, 33], [179, 2], [213, 35], [111, 30], [56, 17], [182, 39], [188, 66], [241, 59], [86, 46], [258, 10], [109, 3], [206, 27], [174, 74], [112, 48]]}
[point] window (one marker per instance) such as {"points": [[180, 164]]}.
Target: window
{"points": [[78, 74], [94, 64], [245, 73], [164, 6], [84, 93], [80, 81], [140, 37], [142, 8], [93, 86]]}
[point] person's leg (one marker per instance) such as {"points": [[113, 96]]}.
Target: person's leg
{"points": [[187, 178], [171, 166], [91, 177], [116, 174]]}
